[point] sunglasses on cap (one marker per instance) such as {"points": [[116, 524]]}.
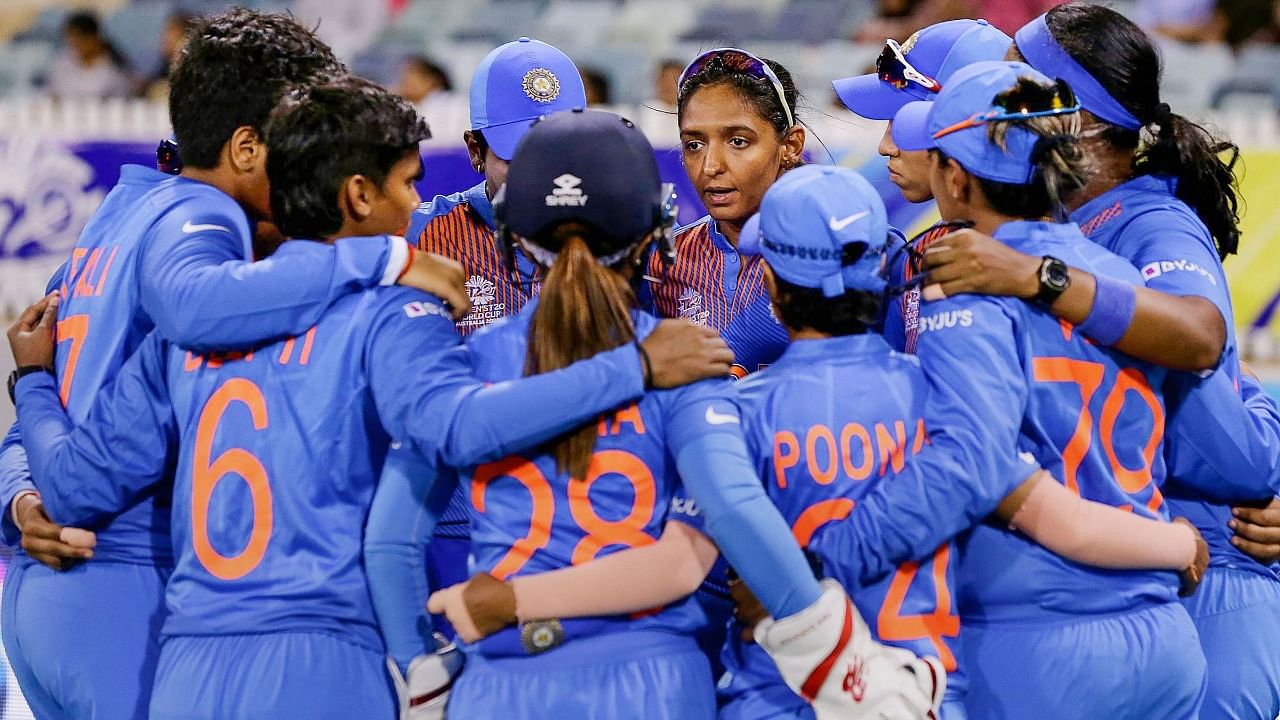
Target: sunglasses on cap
{"points": [[1028, 99], [740, 61], [893, 67]]}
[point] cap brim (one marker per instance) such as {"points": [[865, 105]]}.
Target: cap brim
{"points": [[870, 98], [749, 238], [911, 127], [503, 138]]}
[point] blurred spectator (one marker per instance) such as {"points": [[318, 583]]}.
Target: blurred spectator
{"points": [[596, 84], [665, 84], [176, 28], [897, 19], [1234, 22], [90, 67], [427, 85]]}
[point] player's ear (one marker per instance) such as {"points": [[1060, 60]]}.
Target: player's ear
{"points": [[793, 148], [358, 193], [771, 284], [956, 181], [473, 151], [246, 151]]}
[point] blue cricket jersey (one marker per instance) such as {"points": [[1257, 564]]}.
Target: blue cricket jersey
{"points": [[171, 253], [826, 424], [529, 517], [1208, 424], [461, 227], [278, 450], [1006, 377]]}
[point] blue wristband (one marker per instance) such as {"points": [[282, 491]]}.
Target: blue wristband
{"points": [[1112, 311]]}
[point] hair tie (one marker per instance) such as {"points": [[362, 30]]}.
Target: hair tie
{"points": [[1163, 116]]}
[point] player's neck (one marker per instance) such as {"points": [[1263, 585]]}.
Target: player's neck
{"points": [[806, 334], [1110, 167], [219, 177]]}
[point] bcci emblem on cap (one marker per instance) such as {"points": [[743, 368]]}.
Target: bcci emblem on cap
{"points": [[541, 85]]}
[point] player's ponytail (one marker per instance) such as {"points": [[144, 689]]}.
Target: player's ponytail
{"points": [[584, 308], [1125, 62]]}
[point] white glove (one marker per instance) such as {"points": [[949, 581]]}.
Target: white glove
{"points": [[424, 692], [827, 655]]}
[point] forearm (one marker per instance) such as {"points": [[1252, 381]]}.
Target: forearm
{"points": [[1177, 332], [15, 479], [1095, 534], [489, 422], [403, 514], [204, 300], [627, 581], [745, 525]]}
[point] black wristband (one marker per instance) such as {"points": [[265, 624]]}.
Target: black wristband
{"points": [[20, 373], [647, 364]]}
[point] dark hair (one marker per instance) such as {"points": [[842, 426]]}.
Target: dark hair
{"points": [[852, 313], [1059, 166], [233, 70], [83, 22], [597, 83], [758, 92], [320, 136], [583, 309], [431, 68], [1123, 59], [86, 23]]}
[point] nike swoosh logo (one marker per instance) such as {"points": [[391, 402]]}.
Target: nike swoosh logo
{"points": [[838, 225], [190, 227], [715, 418]]}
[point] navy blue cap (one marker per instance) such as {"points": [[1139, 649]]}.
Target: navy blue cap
{"points": [[971, 93], [811, 224], [518, 83], [588, 166], [937, 51]]}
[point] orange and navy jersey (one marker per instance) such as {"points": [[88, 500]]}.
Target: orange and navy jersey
{"points": [[712, 285], [902, 314], [819, 448], [461, 227]]}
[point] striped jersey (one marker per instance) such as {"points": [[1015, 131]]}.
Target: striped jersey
{"points": [[713, 286], [461, 227]]}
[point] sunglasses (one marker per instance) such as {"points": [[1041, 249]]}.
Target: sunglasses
{"points": [[739, 61], [1023, 101], [893, 67]]}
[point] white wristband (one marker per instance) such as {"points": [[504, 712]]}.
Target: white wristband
{"points": [[397, 259], [13, 506]]}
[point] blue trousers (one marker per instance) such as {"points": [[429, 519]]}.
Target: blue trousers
{"points": [[645, 675], [1133, 666], [274, 675], [83, 643], [1237, 614]]}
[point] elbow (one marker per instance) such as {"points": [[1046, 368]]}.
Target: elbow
{"points": [[1205, 353]]}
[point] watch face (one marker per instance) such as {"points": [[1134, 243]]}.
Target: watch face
{"points": [[1055, 274]]}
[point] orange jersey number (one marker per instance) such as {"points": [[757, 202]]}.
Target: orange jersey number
{"points": [[599, 533], [1088, 378], [206, 473], [73, 329]]}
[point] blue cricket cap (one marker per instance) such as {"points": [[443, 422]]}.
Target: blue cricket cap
{"points": [[586, 166], [970, 94], [518, 83], [938, 51], [822, 227]]}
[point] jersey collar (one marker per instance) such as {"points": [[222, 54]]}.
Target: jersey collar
{"points": [[1140, 184], [839, 347], [1034, 236], [478, 198]]}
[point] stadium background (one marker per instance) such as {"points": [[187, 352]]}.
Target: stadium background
{"points": [[59, 157]]}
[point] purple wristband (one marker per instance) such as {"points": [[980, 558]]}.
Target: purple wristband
{"points": [[1112, 311]]}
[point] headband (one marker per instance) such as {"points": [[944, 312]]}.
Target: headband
{"points": [[1043, 53]]}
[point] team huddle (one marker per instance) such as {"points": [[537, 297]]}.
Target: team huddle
{"points": [[449, 458]]}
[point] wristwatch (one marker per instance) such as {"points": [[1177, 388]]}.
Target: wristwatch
{"points": [[20, 373], [1055, 278]]}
